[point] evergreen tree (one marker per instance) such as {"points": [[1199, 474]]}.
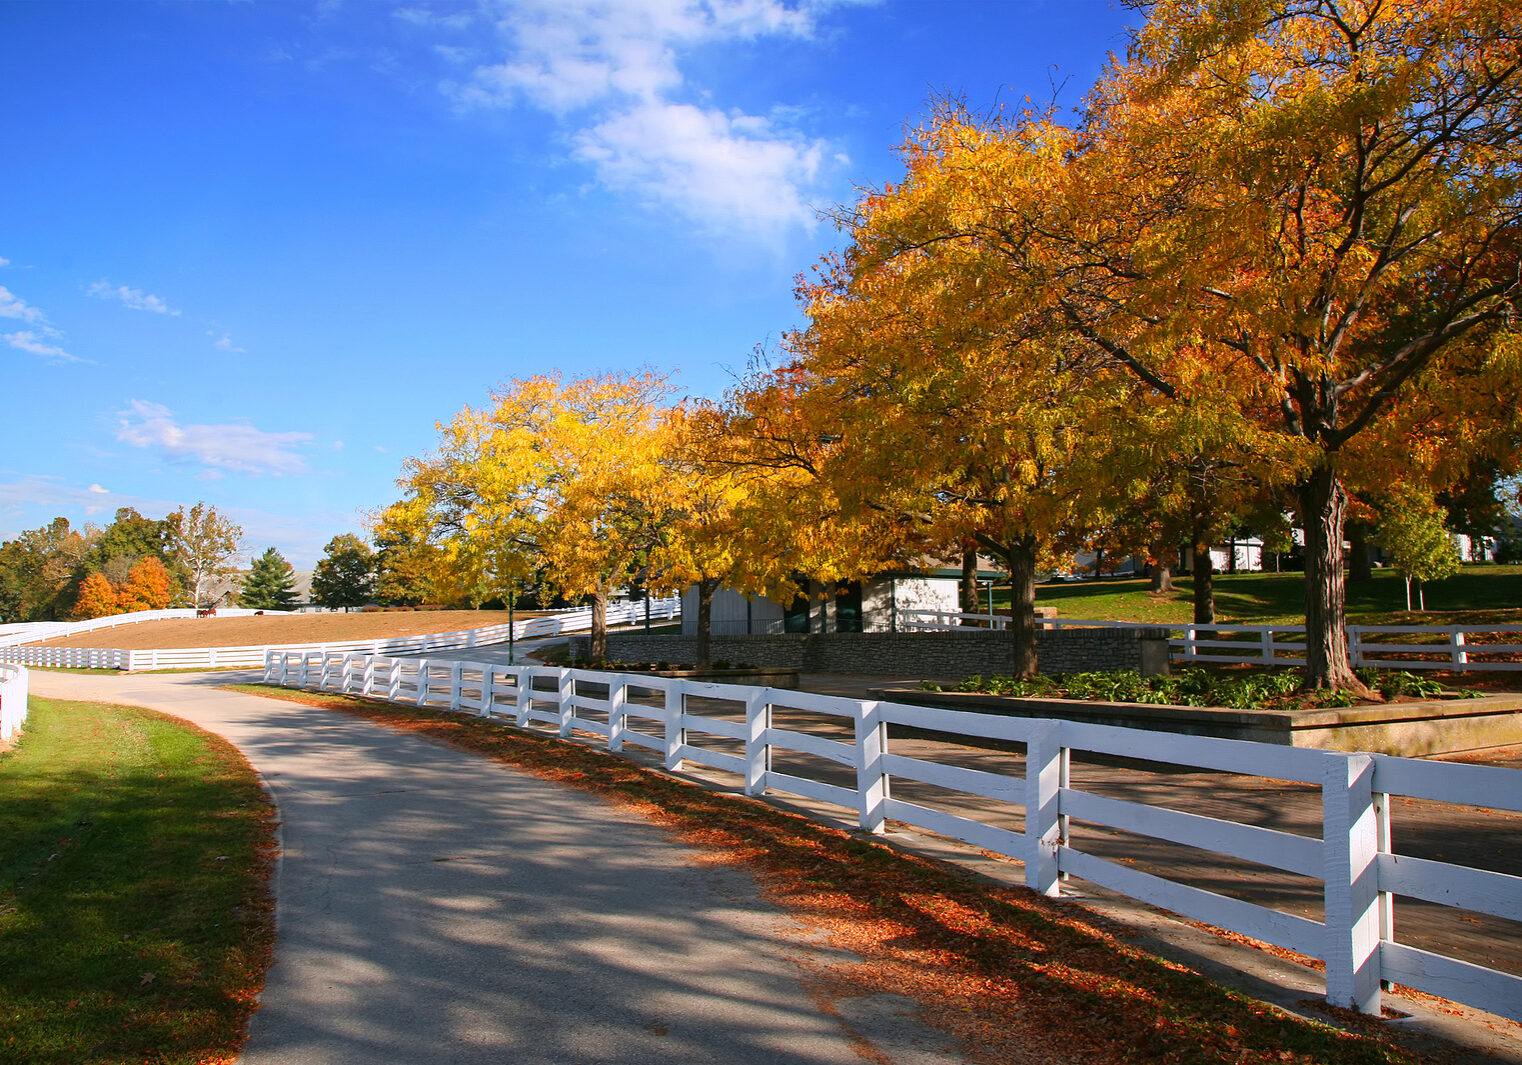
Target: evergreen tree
{"points": [[346, 575], [270, 583]]}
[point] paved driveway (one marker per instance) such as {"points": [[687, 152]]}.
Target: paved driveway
{"points": [[437, 907]]}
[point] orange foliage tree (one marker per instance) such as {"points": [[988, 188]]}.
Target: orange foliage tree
{"points": [[147, 587], [96, 598]]}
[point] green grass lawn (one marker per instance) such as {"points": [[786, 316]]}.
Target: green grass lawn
{"points": [[135, 915], [1478, 592]]}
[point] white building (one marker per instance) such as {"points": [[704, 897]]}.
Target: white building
{"points": [[872, 605]]}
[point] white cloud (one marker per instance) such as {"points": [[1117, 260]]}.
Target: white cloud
{"points": [[235, 447], [4, 261], [735, 171], [32, 490], [612, 69], [137, 299], [422, 17], [13, 306], [225, 343], [98, 490], [30, 342]]}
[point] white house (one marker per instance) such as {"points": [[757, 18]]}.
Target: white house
{"points": [[872, 605]]}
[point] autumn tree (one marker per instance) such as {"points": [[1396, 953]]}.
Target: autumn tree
{"points": [[40, 570], [345, 576], [557, 475], [204, 543], [270, 584], [723, 517], [956, 407], [148, 586], [403, 557], [1296, 205], [1334, 206], [96, 598], [128, 539]]}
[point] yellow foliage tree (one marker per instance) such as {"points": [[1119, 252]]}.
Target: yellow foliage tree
{"points": [[560, 477], [1276, 218]]}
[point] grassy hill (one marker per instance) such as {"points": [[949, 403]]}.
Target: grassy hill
{"points": [[1479, 592]]}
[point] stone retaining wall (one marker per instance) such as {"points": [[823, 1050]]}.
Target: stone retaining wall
{"points": [[937, 654], [1410, 730]]}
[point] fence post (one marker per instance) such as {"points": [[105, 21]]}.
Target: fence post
{"points": [[456, 677], [422, 681], [567, 710], [676, 735], [1191, 649], [1386, 900], [1355, 645], [871, 778], [1044, 758], [1268, 647], [394, 680], [1350, 844], [367, 680], [1456, 650], [618, 701], [488, 688], [758, 753], [525, 695]]}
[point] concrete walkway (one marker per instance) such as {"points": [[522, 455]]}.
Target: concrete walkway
{"points": [[437, 907]]}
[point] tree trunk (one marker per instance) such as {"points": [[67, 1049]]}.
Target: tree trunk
{"points": [[706, 589], [1021, 558], [1163, 555], [1323, 514], [968, 593], [599, 648], [1204, 577]]}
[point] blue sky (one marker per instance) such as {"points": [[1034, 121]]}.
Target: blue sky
{"points": [[251, 253]]}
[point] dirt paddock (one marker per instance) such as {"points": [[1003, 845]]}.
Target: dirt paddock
{"points": [[270, 629]]}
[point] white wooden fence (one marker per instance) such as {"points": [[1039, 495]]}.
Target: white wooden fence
{"points": [[13, 692], [1450, 647], [47, 630], [579, 620], [686, 721]]}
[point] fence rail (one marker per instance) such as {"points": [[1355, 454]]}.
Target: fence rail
{"points": [[235, 657], [13, 693], [47, 630], [1450, 647], [736, 729]]}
